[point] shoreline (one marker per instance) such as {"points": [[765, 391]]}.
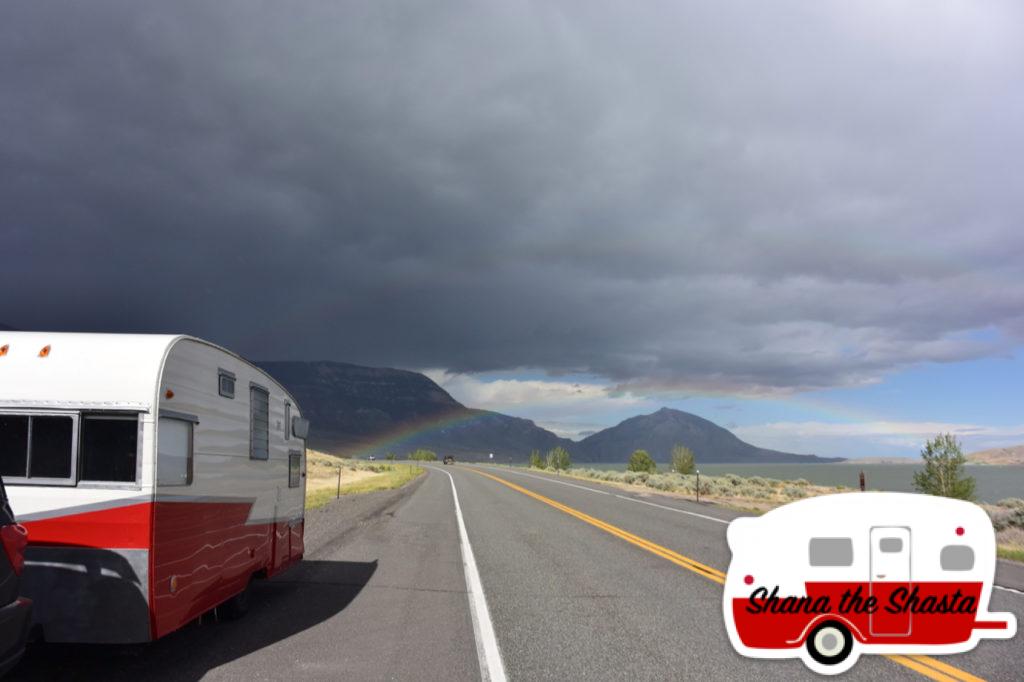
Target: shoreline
{"points": [[757, 495]]}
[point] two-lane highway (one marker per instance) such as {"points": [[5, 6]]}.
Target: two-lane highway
{"points": [[567, 580]]}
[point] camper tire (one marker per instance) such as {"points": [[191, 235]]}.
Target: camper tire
{"points": [[237, 606], [830, 643]]}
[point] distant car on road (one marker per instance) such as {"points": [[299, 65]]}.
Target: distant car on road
{"points": [[373, 458], [15, 610], [448, 459]]}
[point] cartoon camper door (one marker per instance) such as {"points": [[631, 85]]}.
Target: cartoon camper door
{"points": [[890, 570]]}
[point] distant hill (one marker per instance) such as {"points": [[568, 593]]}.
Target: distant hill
{"points": [[659, 432], [1002, 456], [359, 410], [368, 410]]}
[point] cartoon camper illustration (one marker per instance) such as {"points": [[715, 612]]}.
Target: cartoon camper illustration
{"points": [[829, 578]]}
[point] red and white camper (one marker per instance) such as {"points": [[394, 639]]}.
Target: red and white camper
{"points": [[804, 578], [156, 475]]}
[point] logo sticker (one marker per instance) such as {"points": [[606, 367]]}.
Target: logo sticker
{"points": [[829, 578]]}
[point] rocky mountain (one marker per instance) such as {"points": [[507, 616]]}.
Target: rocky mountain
{"points": [[659, 432], [368, 410], [1002, 456]]}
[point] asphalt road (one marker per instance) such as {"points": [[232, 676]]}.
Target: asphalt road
{"points": [[383, 596]]}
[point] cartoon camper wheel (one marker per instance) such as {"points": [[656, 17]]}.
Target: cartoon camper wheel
{"points": [[830, 643], [829, 578]]}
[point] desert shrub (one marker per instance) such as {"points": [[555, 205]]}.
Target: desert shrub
{"points": [[558, 459], [794, 492], [683, 461], [661, 482], [422, 455], [802, 482], [641, 461], [536, 461], [943, 472], [633, 477]]}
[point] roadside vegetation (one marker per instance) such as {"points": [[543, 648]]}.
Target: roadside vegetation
{"points": [[422, 455], [641, 461], [943, 474], [357, 476], [559, 459]]}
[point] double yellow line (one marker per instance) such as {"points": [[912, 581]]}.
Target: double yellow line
{"points": [[925, 665]]}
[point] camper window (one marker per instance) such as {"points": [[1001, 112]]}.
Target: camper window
{"points": [[956, 558], [13, 446], [226, 383], [831, 552], [891, 545], [294, 469], [174, 452], [259, 423], [37, 447], [109, 448]]}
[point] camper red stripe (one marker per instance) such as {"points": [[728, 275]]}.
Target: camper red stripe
{"points": [[124, 527]]}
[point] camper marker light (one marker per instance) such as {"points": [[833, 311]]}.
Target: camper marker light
{"points": [[749, 580], [3, 350], [174, 584], [45, 352], [960, 530], [169, 394]]}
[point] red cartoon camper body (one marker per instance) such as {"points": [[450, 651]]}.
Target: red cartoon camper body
{"points": [[828, 578]]}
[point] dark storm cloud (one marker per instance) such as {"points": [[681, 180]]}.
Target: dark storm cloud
{"points": [[738, 197]]}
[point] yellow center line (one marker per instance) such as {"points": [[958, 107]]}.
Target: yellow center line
{"points": [[924, 665]]}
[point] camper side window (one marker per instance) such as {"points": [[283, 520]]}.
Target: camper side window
{"points": [[174, 452], [226, 383], [831, 552], [956, 558], [259, 423], [38, 447], [109, 448], [294, 469]]}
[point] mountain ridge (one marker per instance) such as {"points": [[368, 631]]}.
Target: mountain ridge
{"points": [[359, 411]]}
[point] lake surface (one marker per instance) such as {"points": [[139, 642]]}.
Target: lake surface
{"points": [[994, 483]]}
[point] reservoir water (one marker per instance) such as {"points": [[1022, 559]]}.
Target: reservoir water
{"points": [[994, 483]]}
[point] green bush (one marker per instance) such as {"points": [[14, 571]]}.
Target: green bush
{"points": [[682, 460], [558, 459], [943, 472], [641, 461], [536, 461], [422, 455]]}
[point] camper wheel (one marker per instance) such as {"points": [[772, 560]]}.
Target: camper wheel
{"points": [[237, 606], [830, 643]]}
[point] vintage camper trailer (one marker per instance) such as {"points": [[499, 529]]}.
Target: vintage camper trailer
{"points": [[828, 578], [156, 475]]}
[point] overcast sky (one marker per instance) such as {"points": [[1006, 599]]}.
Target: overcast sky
{"points": [[742, 209]]}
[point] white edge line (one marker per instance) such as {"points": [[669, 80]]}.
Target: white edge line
{"points": [[491, 667], [681, 511], [552, 480], [1008, 589]]}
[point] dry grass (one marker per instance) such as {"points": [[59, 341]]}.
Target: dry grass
{"points": [[757, 495], [357, 476]]}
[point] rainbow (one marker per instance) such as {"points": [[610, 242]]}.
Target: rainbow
{"points": [[399, 438]]}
